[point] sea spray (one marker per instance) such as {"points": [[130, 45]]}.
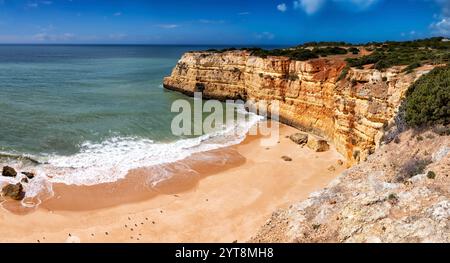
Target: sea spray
{"points": [[112, 159]]}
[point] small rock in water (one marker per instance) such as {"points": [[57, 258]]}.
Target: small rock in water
{"points": [[340, 162], [29, 175], [14, 191], [24, 180], [331, 168], [299, 138], [286, 158], [9, 172]]}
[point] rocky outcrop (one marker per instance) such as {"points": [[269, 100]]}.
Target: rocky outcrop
{"points": [[368, 204], [29, 175], [350, 111], [14, 191], [299, 138], [9, 172], [318, 145]]}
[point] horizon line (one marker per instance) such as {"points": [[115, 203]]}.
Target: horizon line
{"points": [[206, 44]]}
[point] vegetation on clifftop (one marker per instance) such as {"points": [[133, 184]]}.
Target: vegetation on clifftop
{"points": [[412, 54], [428, 99]]}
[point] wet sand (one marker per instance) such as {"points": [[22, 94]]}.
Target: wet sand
{"points": [[217, 196]]}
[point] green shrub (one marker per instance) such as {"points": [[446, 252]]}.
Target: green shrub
{"points": [[412, 53], [384, 55], [411, 168], [441, 130], [393, 199], [354, 50], [343, 73], [292, 77], [428, 99], [412, 66], [431, 175]]}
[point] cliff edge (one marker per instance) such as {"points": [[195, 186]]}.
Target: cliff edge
{"points": [[348, 106]]}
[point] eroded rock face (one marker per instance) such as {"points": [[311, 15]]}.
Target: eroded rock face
{"points": [[350, 112], [365, 204]]}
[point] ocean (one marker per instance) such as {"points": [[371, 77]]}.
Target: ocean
{"points": [[89, 114]]}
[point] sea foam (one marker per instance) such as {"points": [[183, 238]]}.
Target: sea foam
{"points": [[112, 159]]}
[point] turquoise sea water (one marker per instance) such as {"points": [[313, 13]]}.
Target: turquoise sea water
{"points": [[54, 98], [91, 113]]}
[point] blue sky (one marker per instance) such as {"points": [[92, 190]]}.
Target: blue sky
{"points": [[219, 22]]}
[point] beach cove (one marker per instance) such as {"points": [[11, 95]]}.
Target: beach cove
{"points": [[212, 201]]}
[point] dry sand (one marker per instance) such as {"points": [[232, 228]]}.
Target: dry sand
{"points": [[218, 196]]}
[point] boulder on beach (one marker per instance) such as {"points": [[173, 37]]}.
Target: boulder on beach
{"points": [[299, 138], [9, 171], [317, 144], [286, 158], [29, 175], [14, 191]]}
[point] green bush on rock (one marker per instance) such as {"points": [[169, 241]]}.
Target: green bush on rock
{"points": [[428, 99]]}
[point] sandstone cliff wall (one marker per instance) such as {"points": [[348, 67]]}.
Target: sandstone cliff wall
{"points": [[350, 112]]}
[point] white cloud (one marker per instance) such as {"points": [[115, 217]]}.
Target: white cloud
{"points": [[208, 21], [265, 36], [117, 36], [441, 26], [359, 4], [282, 7], [312, 6], [168, 26], [36, 4], [309, 6], [118, 14], [41, 37], [244, 13], [32, 5]]}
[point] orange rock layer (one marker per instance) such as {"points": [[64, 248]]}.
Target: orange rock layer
{"points": [[350, 112]]}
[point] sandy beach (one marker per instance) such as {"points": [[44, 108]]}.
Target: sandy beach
{"points": [[224, 195]]}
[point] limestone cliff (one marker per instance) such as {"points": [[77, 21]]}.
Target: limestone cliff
{"points": [[351, 111]]}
